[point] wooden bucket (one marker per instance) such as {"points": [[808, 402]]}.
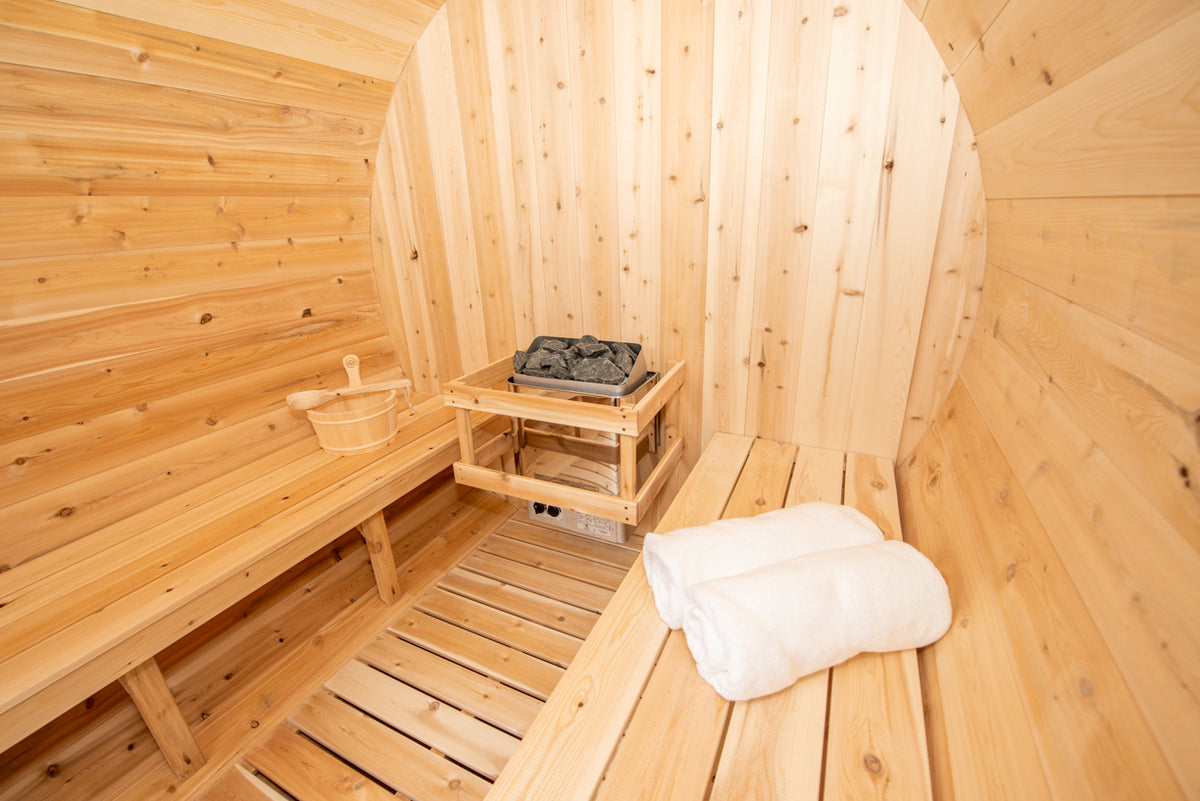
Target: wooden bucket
{"points": [[356, 424]]}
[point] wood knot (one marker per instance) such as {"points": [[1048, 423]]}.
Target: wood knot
{"points": [[434, 706], [889, 165], [872, 763], [66, 511], [1011, 572], [454, 784], [306, 313], [205, 318]]}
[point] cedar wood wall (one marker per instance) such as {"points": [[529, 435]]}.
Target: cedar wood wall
{"points": [[204, 209]]}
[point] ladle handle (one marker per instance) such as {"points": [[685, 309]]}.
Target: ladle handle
{"points": [[350, 362]]}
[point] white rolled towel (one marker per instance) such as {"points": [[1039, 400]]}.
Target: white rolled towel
{"points": [[687, 556], [756, 633]]}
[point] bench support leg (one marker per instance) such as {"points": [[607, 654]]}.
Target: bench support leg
{"points": [[383, 562], [148, 689]]}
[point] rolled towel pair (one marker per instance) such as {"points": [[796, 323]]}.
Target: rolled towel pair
{"points": [[685, 557], [755, 633]]}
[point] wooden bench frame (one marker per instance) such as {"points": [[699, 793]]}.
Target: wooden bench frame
{"points": [[100, 609], [631, 717]]}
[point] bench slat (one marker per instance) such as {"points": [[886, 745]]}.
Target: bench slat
{"points": [[876, 724], [774, 745], [671, 745], [564, 755]]}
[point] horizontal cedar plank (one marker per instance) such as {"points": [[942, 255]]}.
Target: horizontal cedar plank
{"points": [[68, 285], [1125, 128], [1029, 50], [292, 29], [955, 28], [49, 103], [72, 284], [1134, 399], [52, 460], [1093, 738], [46, 401], [59, 164], [1133, 569], [218, 318], [169, 227], [55, 35], [1132, 260]]}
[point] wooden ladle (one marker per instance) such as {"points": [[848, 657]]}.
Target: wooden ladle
{"points": [[312, 398]]}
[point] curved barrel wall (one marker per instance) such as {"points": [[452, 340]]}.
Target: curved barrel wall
{"points": [[204, 206]]}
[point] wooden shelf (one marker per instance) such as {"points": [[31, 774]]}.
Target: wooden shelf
{"points": [[489, 390]]}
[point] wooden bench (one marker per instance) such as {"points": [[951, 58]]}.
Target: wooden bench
{"points": [[631, 717], [98, 609]]}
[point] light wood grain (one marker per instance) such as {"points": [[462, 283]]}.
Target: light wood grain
{"points": [[1068, 675], [773, 745], [876, 736], [153, 699], [302, 768], [1124, 128]]}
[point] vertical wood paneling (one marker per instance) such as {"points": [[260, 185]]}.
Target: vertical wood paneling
{"points": [[473, 81], [590, 42], [740, 51], [637, 88], [847, 216], [796, 83], [431, 256], [518, 184], [687, 41], [448, 169], [916, 159], [560, 276], [955, 288], [704, 203]]}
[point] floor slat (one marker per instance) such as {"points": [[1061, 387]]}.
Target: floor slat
{"points": [[436, 704], [532, 638]]}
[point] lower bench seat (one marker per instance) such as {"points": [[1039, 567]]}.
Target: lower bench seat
{"points": [[631, 717], [99, 609]]}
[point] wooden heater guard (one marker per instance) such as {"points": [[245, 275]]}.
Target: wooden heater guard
{"points": [[489, 390]]}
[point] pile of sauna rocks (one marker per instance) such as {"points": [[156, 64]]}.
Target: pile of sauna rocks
{"points": [[585, 359]]}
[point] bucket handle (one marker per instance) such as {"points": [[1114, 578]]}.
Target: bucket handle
{"points": [[350, 362]]}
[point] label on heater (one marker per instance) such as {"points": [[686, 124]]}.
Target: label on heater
{"points": [[594, 526]]}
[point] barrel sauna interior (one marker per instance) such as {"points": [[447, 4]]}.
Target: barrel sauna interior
{"points": [[961, 235]]}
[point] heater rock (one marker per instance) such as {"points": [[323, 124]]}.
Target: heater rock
{"points": [[598, 370]]}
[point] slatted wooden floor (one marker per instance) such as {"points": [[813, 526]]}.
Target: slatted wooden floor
{"points": [[434, 706]]}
